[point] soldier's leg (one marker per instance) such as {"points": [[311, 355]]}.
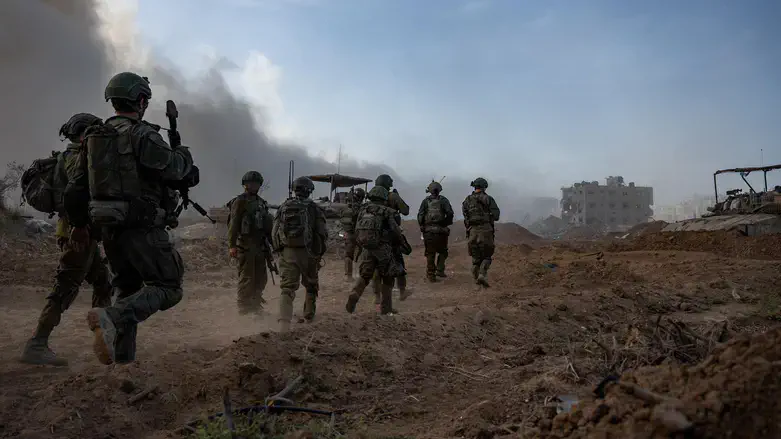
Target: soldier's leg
{"points": [[475, 254], [349, 254], [70, 273], [431, 254], [98, 277], [309, 277], [487, 254], [401, 279], [245, 289], [261, 279], [442, 252], [148, 255], [289, 281], [389, 268], [376, 288], [366, 271]]}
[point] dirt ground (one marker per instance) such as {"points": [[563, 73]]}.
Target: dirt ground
{"points": [[458, 361]]}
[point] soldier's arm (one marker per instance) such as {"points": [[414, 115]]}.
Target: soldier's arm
{"points": [[268, 222], [398, 203], [395, 230], [321, 229], [449, 214], [494, 208], [422, 213], [463, 212], [234, 228], [76, 197], [155, 153]]}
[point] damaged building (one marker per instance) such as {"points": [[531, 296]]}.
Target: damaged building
{"points": [[616, 206]]}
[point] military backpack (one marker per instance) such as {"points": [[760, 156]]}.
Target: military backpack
{"points": [[435, 212], [39, 187], [368, 230], [296, 229]]}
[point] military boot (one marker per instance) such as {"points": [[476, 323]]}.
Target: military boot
{"points": [[310, 305], [441, 258], [285, 311], [352, 301], [483, 274], [404, 292], [37, 351], [348, 269]]}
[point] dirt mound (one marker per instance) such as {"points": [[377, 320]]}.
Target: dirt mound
{"points": [[726, 243], [506, 233], [646, 228], [584, 232], [736, 393]]}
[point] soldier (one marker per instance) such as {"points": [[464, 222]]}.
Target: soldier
{"points": [[434, 217], [348, 218], [300, 235], [123, 186], [401, 246], [375, 230], [75, 266], [249, 237], [480, 213]]}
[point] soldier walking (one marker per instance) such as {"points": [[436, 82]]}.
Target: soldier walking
{"points": [[249, 237], [300, 235], [480, 213], [124, 188], [375, 230], [435, 215], [76, 265], [400, 246], [347, 218]]}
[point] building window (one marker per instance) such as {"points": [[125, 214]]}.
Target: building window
{"points": [[612, 205], [626, 193], [626, 205], [592, 205]]}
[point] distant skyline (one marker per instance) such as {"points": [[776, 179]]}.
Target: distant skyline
{"points": [[545, 93]]}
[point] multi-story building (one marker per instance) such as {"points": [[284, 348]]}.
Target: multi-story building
{"points": [[615, 205]]}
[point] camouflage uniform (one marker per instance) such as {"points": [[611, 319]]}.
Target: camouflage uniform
{"points": [[75, 265], [480, 213], [376, 219], [435, 215], [347, 218], [300, 235], [400, 207], [123, 186], [249, 232]]}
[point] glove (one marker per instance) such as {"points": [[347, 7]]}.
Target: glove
{"points": [[79, 238]]}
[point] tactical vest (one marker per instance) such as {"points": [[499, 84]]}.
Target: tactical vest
{"points": [[115, 183], [347, 218], [478, 209], [253, 222]]}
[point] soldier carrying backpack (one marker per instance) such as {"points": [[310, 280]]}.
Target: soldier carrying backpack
{"points": [[42, 186], [435, 215], [375, 231], [300, 235], [480, 213]]}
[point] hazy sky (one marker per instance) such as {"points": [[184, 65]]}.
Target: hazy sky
{"points": [[661, 92]]}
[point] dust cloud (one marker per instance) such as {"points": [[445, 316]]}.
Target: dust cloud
{"points": [[55, 63]]}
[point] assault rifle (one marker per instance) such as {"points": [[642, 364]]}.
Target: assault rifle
{"points": [[272, 266], [176, 141]]}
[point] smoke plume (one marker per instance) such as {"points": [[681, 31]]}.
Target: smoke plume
{"points": [[56, 62]]}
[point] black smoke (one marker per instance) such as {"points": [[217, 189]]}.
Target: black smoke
{"points": [[54, 64]]}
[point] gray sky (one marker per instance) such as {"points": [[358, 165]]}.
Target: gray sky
{"points": [[532, 95]]}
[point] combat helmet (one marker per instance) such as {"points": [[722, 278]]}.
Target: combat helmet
{"points": [[303, 186], [479, 183], [75, 126], [434, 187], [385, 181], [378, 193], [252, 177], [359, 194], [128, 86]]}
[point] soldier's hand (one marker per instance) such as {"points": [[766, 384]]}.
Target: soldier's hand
{"points": [[234, 252], [79, 238]]}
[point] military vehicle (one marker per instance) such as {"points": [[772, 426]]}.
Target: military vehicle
{"points": [[750, 213]]}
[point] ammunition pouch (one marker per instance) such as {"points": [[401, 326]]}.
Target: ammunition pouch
{"points": [[118, 213]]}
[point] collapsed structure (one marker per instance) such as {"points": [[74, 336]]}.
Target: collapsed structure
{"points": [[614, 206]]}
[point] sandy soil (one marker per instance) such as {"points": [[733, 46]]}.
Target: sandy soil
{"points": [[459, 361]]}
